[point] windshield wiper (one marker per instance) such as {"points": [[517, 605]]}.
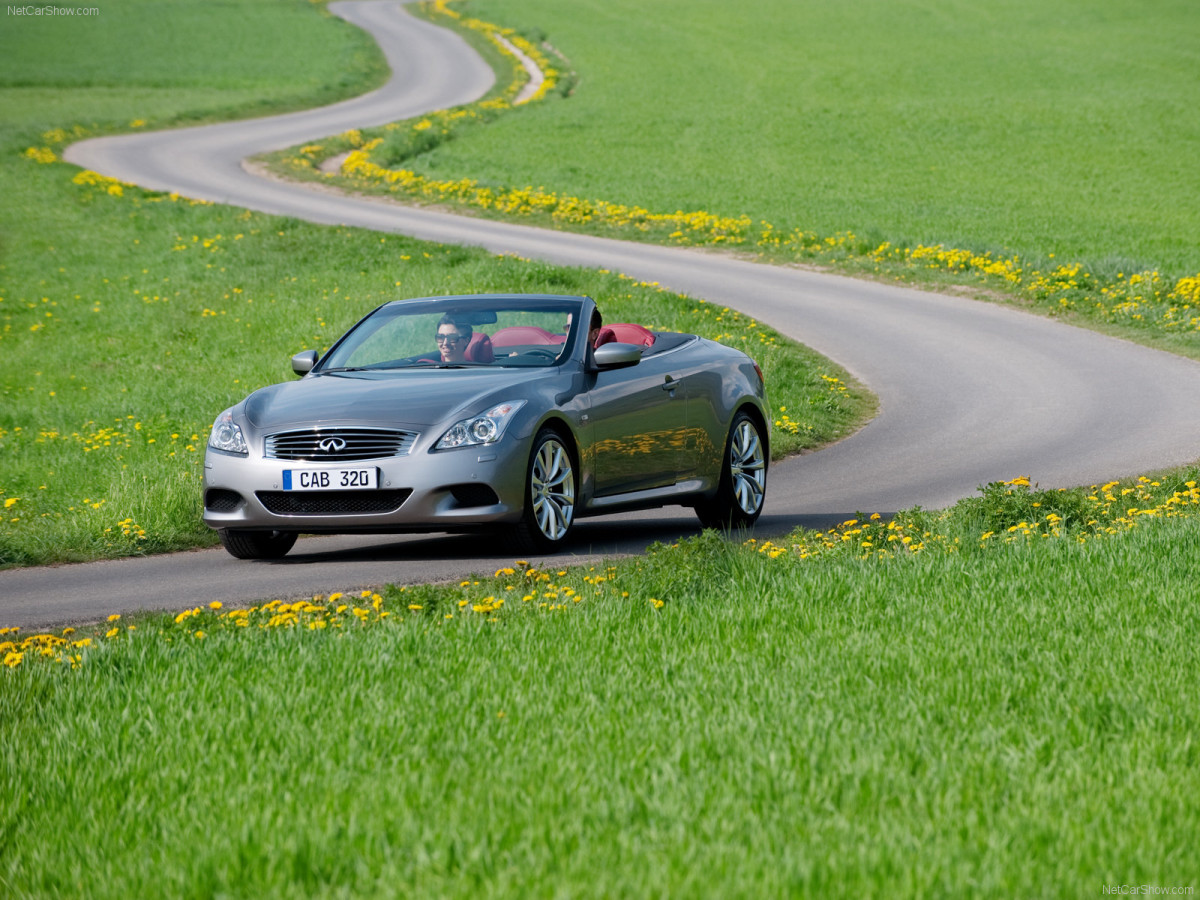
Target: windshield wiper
{"points": [[372, 368], [407, 364]]}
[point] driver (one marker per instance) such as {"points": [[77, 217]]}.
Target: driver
{"points": [[452, 338], [597, 333]]}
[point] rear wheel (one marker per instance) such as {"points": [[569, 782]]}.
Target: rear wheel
{"points": [[743, 488], [257, 544], [549, 495]]}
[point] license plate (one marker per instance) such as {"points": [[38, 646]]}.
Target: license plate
{"points": [[330, 479]]}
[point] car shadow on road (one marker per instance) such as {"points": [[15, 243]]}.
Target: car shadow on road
{"points": [[592, 539]]}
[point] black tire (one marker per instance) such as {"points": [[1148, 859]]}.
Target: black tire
{"points": [[550, 491], [257, 544], [743, 488]]}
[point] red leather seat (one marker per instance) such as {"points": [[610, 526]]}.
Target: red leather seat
{"points": [[525, 334]]}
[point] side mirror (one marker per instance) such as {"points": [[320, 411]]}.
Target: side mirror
{"points": [[303, 362], [617, 355]]}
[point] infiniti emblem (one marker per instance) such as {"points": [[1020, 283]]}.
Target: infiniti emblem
{"points": [[332, 444]]}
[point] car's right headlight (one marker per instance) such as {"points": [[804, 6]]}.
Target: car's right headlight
{"points": [[227, 435], [486, 428]]}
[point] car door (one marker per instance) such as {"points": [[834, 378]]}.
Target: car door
{"points": [[638, 417]]}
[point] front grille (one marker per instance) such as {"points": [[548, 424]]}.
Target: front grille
{"points": [[339, 444], [221, 500], [332, 503]]}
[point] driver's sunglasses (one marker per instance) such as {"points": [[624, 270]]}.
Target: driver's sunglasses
{"points": [[449, 338]]}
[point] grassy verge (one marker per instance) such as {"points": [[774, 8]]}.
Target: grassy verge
{"points": [[957, 715]]}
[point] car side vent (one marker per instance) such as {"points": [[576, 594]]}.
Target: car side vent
{"points": [[222, 501], [473, 495], [339, 444]]}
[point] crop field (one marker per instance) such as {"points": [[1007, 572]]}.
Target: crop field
{"points": [[992, 700]]}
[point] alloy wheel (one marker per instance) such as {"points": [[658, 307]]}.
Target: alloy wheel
{"points": [[747, 467], [552, 489]]}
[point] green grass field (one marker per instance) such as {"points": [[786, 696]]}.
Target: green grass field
{"points": [[980, 717], [163, 63], [996, 700], [1027, 127]]}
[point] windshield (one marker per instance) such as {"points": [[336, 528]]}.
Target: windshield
{"points": [[459, 332]]}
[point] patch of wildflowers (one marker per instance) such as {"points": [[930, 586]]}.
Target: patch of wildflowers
{"points": [[1008, 512]]}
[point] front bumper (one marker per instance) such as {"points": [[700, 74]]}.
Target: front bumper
{"points": [[423, 491]]}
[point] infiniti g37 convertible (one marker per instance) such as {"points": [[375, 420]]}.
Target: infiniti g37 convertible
{"points": [[511, 413]]}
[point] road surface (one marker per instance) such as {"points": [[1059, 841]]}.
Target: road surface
{"points": [[969, 392]]}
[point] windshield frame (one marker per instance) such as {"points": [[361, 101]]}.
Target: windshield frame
{"points": [[472, 307]]}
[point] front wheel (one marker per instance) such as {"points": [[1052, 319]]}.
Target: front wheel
{"points": [[257, 544], [549, 509], [743, 487]]}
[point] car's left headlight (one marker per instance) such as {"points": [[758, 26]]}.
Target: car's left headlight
{"points": [[227, 435], [485, 428]]}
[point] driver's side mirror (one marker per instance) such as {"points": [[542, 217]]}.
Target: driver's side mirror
{"points": [[303, 362], [617, 355]]}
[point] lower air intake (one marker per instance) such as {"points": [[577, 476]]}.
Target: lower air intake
{"points": [[332, 503]]}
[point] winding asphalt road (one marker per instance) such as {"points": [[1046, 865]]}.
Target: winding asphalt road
{"points": [[969, 392]]}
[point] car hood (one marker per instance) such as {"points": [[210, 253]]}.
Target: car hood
{"points": [[421, 397]]}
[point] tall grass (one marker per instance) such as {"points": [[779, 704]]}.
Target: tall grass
{"points": [[707, 721]]}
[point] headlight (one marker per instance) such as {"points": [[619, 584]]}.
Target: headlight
{"points": [[227, 435], [486, 428]]}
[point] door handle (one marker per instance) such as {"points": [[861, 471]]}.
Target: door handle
{"points": [[670, 384]]}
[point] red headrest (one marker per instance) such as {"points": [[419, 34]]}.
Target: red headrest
{"points": [[479, 348], [629, 333]]}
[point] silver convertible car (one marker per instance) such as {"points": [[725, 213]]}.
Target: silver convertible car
{"points": [[511, 413]]}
